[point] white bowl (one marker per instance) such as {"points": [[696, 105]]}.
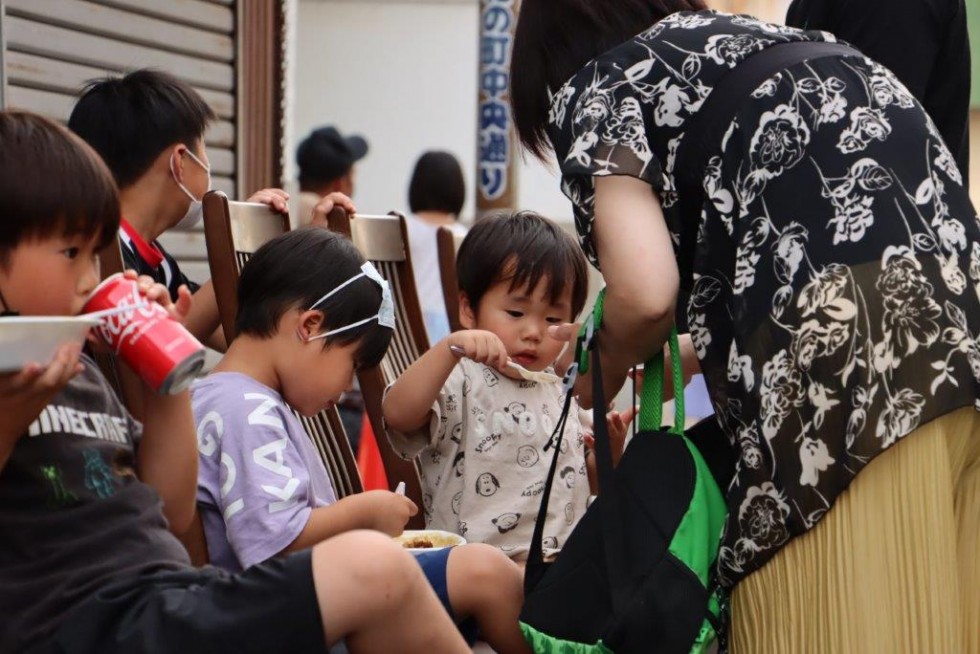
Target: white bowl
{"points": [[442, 539], [35, 339]]}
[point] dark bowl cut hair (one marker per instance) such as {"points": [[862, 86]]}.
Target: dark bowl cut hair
{"points": [[522, 248], [555, 38], [51, 184], [130, 120], [437, 184], [295, 270]]}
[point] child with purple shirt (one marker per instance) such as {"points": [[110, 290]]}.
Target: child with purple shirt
{"points": [[262, 489]]}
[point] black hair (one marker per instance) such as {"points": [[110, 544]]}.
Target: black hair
{"points": [[294, 271], [51, 184], [437, 184], [566, 470], [130, 120], [522, 248], [555, 38]]}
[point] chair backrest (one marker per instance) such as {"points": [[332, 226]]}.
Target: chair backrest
{"points": [[233, 232], [383, 240], [447, 245]]}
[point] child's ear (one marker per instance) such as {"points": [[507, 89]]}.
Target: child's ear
{"points": [[467, 315], [310, 323]]}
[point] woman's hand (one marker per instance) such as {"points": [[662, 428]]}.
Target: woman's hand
{"points": [[614, 369]]}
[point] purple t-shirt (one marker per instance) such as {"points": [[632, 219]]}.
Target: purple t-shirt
{"points": [[260, 475]]}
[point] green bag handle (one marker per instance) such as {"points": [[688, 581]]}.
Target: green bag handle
{"points": [[652, 396]]}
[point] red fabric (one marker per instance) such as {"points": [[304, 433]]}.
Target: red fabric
{"points": [[147, 251], [369, 460]]}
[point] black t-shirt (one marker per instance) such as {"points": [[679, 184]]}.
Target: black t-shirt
{"points": [[924, 42], [167, 272], [73, 515]]}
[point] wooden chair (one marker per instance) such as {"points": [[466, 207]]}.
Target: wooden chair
{"points": [[233, 232], [447, 245], [383, 241]]}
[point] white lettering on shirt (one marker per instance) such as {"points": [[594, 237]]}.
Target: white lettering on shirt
{"points": [[62, 420]]}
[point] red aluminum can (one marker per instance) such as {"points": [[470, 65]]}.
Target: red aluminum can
{"points": [[161, 351]]}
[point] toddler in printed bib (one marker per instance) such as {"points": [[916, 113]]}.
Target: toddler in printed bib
{"points": [[479, 429]]}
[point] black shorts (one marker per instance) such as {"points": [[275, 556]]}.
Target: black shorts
{"points": [[269, 608]]}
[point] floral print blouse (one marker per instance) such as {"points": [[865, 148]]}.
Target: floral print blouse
{"points": [[836, 273]]}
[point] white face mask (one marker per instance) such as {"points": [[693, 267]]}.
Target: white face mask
{"points": [[386, 312], [196, 211]]}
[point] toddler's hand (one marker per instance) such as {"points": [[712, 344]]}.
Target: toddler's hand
{"points": [[389, 511], [480, 346], [618, 422]]}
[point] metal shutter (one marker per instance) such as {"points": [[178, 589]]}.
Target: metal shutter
{"points": [[50, 48]]}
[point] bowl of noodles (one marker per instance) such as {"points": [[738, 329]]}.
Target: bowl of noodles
{"points": [[428, 540]]}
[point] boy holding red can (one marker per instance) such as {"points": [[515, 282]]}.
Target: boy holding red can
{"points": [[87, 562]]}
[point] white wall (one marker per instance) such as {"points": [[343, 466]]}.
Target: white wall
{"points": [[403, 74]]}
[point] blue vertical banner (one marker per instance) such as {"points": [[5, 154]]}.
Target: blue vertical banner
{"points": [[496, 146]]}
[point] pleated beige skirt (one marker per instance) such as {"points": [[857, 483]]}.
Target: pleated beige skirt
{"points": [[893, 567]]}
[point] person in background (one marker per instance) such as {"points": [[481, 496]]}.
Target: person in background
{"points": [[435, 196], [326, 161], [924, 42], [149, 127]]}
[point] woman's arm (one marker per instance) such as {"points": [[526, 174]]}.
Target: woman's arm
{"points": [[640, 271]]}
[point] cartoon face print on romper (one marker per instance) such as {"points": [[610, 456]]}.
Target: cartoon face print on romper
{"points": [[527, 456], [98, 474], [456, 435], [515, 410], [567, 475], [569, 514], [506, 522], [487, 484], [455, 502], [549, 543], [458, 463], [490, 377]]}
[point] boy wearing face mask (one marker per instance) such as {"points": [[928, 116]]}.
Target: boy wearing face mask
{"points": [[148, 127]]}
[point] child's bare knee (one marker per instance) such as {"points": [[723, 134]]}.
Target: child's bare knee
{"points": [[374, 564], [479, 570]]}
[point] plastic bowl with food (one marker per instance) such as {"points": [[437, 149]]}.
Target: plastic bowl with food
{"points": [[427, 540], [35, 339]]}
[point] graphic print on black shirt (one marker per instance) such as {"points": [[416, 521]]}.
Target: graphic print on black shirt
{"points": [[73, 515]]}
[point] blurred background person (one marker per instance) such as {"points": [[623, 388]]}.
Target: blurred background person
{"points": [[326, 161], [436, 195]]}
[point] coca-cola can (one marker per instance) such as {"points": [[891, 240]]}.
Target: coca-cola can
{"points": [[159, 349]]}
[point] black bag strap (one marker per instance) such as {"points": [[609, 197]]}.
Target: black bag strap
{"points": [[706, 129], [610, 508]]}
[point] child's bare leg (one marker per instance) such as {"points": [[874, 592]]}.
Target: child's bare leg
{"points": [[374, 594], [483, 583]]}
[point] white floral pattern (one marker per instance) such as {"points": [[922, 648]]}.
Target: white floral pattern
{"points": [[835, 303]]}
